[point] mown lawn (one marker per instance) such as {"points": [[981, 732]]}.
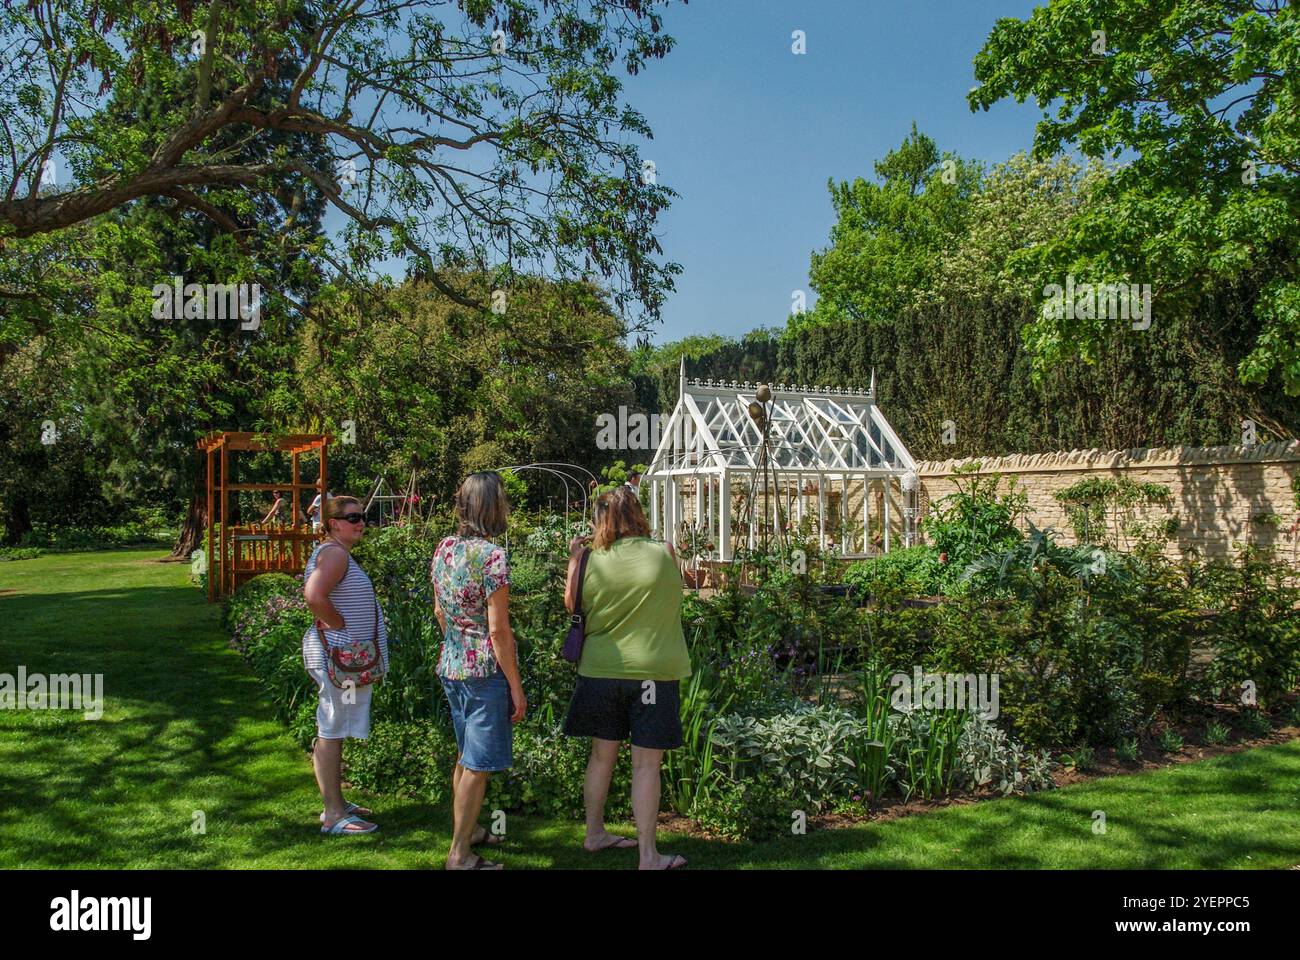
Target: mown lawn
{"points": [[185, 729]]}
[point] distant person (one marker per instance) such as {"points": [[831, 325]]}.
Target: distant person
{"points": [[479, 662], [274, 512], [633, 660], [313, 511], [342, 598], [633, 482]]}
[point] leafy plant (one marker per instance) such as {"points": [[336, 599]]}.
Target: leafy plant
{"points": [[1170, 740], [974, 521], [1082, 759], [1216, 734], [1255, 723], [1127, 750]]}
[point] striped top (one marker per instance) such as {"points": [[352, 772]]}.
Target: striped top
{"points": [[354, 596]]}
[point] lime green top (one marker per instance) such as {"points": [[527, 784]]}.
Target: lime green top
{"points": [[632, 597]]}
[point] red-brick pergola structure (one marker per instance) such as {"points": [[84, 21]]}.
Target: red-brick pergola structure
{"points": [[240, 553]]}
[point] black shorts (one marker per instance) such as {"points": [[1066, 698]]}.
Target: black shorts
{"points": [[619, 710]]}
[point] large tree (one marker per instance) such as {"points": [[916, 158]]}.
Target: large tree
{"points": [[1200, 103], [434, 387], [484, 135], [889, 235]]}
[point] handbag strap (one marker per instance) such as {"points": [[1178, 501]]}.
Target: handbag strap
{"points": [[582, 575]]}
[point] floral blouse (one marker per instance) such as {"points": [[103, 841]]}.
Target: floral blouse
{"points": [[465, 572]]}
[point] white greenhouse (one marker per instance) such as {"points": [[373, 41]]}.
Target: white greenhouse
{"points": [[749, 465]]}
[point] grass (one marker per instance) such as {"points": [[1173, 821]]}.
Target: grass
{"points": [[185, 729]]}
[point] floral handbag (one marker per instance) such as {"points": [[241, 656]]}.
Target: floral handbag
{"points": [[360, 662]]}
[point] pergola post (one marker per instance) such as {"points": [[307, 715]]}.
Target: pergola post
{"points": [[225, 526], [212, 576]]}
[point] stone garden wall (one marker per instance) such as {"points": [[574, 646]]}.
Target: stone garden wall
{"points": [[1220, 495]]}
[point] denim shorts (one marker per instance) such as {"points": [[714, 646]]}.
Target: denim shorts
{"points": [[480, 714]]}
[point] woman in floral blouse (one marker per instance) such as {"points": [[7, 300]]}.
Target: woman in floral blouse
{"points": [[479, 665]]}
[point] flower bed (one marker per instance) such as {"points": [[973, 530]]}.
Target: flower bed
{"points": [[792, 705]]}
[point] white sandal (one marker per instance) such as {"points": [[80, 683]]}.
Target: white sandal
{"points": [[340, 826], [350, 808]]}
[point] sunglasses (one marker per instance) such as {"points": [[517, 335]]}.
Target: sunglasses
{"points": [[352, 517]]}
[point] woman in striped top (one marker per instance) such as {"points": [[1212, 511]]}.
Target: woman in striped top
{"points": [[343, 599]]}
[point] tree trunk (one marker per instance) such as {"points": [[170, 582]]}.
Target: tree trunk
{"points": [[19, 521], [195, 527]]}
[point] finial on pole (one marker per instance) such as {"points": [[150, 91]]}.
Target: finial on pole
{"points": [[681, 378], [873, 382]]}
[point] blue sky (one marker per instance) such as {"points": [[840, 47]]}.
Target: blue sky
{"points": [[748, 133]]}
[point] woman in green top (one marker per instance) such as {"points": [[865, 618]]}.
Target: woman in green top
{"points": [[632, 660]]}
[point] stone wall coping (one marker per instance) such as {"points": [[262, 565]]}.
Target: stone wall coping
{"points": [[1133, 458]]}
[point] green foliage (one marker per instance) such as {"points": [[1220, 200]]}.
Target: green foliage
{"points": [[1199, 100], [548, 774], [888, 237], [1127, 749], [1170, 740], [808, 747], [1216, 734], [1090, 502], [1082, 759], [1254, 723], [973, 521], [411, 758], [908, 572], [1257, 630], [20, 553]]}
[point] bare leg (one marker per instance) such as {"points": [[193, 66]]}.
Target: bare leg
{"points": [[595, 789], [645, 806], [466, 805], [327, 760]]}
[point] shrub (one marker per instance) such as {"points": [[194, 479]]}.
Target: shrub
{"points": [[20, 553], [1127, 750], [412, 758], [910, 572], [1171, 741], [758, 808], [808, 747], [974, 521], [1256, 634], [987, 757], [1255, 723], [1082, 759], [547, 777], [1216, 734]]}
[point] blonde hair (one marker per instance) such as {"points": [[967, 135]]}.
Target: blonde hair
{"points": [[618, 514], [481, 505], [335, 507]]}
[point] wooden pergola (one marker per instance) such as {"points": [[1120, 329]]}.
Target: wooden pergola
{"points": [[242, 552]]}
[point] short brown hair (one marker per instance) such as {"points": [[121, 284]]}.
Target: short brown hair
{"points": [[481, 505], [618, 514], [335, 507]]}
